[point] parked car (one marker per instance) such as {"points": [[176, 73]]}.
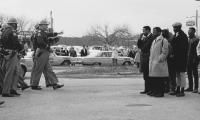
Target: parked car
{"points": [[59, 60], [53, 59], [105, 58]]}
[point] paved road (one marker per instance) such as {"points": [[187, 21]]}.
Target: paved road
{"points": [[98, 99]]}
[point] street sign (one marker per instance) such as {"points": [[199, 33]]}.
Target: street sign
{"points": [[190, 23]]}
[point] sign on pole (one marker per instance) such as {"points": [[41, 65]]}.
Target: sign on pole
{"points": [[190, 23]]}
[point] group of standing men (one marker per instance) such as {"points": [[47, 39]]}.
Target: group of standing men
{"points": [[166, 57], [10, 47]]}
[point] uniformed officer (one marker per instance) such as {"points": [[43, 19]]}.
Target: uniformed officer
{"points": [[34, 43], [11, 44], [42, 64]]}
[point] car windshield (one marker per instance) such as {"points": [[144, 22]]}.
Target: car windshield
{"points": [[106, 54], [94, 54]]}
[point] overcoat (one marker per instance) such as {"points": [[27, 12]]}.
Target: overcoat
{"points": [[144, 43], [158, 58], [180, 47]]}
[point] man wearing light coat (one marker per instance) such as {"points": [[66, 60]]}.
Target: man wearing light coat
{"points": [[158, 68]]}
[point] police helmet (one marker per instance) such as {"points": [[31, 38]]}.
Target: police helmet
{"points": [[12, 20]]}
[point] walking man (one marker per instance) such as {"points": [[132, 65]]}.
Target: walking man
{"points": [[144, 43], [42, 64], [192, 64], [180, 48], [12, 45], [34, 42]]}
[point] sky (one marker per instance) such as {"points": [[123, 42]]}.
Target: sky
{"points": [[75, 17]]}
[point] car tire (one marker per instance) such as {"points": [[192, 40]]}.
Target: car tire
{"points": [[97, 64], [66, 62], [127, 63]]}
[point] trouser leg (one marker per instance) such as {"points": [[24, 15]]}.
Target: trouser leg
{"points": [[162, 84], [178, 80], [47, 81], [166, 84], [146, 82], [172, 77], [15, 80], [21, 77], [10, 67], [153, 84], [196, 76], [190, 76], [156, 85], [50, 74], [1, 78], [145, 71], [40, 63], [183, 80]]}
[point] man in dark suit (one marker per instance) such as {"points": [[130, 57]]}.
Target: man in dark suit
{"points": [[144, 43], [84, 51], [180, 48], [192, 64]]}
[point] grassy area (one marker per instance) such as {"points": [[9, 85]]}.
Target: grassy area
{"points": [[84, 72], [99, 72]]}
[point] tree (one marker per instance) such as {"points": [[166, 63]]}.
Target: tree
{"points": [[22, 23], [110, 37], [3, 18]]}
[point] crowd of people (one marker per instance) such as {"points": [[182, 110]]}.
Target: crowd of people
{"points": [[165, 58], [71, 52]]}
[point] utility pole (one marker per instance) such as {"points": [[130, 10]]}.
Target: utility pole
{"points": [[51, 17], [197, 28]]}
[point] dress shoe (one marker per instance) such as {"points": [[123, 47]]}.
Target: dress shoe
{"points": [[181, 94], [36, 88], [172, 93], [50, 85], [14, 92], [159, 95], [8, 95], [149, 93], [189, 90], [153, 94], [195, 91], [56, 86], [143, 92], [2, 102], [25, 87]]}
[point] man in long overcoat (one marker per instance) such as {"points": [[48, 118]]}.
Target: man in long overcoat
{"points": [[192, 63], [180, 47]]}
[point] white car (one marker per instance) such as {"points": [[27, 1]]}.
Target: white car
{"points": [[53, 59], [59, 60], [105, 58]]}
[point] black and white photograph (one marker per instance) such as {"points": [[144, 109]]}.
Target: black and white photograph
{"points": [[99, 59]]}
